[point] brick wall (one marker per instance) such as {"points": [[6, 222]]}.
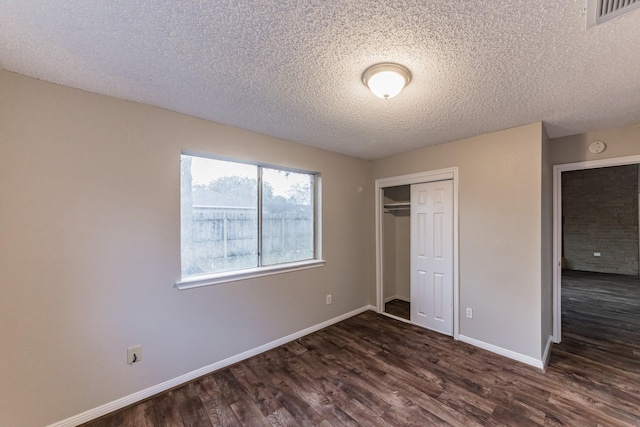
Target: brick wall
{"points": [[600, 214]]}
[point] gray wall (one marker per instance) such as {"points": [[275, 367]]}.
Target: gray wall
{"points": [[389, 261], [397, 256], [600, 214], [90, 251], [621, 142], [403, 256]]}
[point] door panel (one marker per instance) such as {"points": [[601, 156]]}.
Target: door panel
{"points": [[422, 292], [438, 243], [432, 256], [422, 234], [438, 289]]}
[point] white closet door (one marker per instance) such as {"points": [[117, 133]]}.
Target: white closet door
{"points": [[432, 256]]}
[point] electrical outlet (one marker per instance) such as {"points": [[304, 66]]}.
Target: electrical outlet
{"points": [[134, 354], [328, 299], [596, 254], [469, 313]]}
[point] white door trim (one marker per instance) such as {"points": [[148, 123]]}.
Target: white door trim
{"points": [[557, 227], [417, 178]]}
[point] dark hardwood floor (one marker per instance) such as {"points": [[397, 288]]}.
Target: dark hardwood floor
{"points": [[372, 370], [398, 308]]}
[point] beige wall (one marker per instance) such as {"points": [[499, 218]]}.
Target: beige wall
{"points": [[90, 251], [620, 142], [500, 205]]}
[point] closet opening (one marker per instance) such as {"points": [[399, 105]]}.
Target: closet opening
{"points": [[417, 252], [396, 237]]}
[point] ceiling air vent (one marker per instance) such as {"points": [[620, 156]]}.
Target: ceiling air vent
{"points": [[599, 11]]}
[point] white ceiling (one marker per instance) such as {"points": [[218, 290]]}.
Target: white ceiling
{"points": [[293, 69]]}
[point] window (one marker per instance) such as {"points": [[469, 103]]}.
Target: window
{"points": [[242, 220]]}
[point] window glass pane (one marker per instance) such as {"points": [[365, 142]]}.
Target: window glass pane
{"points": [[219, 220], [287, 216]]}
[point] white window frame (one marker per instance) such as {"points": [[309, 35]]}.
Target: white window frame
{"points": [[268, 270]]}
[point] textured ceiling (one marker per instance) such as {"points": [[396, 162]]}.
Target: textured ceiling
{"points": [[293, 69]]}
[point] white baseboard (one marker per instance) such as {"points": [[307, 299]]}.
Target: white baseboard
{"points": [[503, 352], [547, 352], [386, 300], [107, 408]]}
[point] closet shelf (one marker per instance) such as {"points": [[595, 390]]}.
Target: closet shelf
{"points": [[399, 206]]}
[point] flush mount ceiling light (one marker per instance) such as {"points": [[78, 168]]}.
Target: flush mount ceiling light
{"points": [[386, 80]]}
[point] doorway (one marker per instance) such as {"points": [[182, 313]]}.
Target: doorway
{"points": [[558, 170], [384, 187]]}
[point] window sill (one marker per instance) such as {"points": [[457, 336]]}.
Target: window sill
{"points": [[232, 276]]}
